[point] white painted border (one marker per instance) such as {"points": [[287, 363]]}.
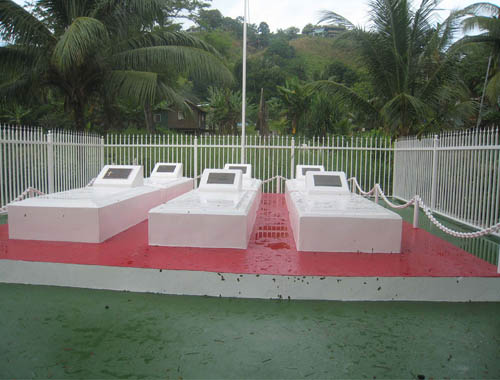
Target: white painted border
{"points": [[181, 282]]}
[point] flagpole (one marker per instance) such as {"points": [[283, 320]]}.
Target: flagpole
{"points": [[244, 84]]}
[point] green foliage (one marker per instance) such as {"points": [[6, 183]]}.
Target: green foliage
{"points": [[486, 18], [224, 110], [411, 72], [94, 53]]}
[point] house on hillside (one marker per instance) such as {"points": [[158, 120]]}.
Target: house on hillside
{"points": [[328, 30], [182, 120]]}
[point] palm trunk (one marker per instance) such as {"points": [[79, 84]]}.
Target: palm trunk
{"points": [[148, 116]]}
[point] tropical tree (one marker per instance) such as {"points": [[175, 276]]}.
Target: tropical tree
{"points": [[98, 51], [295, 100], [410, 67], [224, 110], [486, 18]]}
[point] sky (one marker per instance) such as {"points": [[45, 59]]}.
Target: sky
{"points": [[281, 14]]}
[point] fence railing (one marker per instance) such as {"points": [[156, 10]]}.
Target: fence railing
{"points": [[456, 174], [50, 162], [368, 159]]}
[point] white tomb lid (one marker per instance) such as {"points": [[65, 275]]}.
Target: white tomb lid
{"points": [[221, 180], [246, 169], [301, 170], [120, 176], [318, 182], [165, 170]]}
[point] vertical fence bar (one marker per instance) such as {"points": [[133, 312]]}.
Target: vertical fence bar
{"points": [[195, 163], [50, 161], [434, 172]]}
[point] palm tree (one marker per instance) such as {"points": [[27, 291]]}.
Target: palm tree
{"points": [[409, 67], [490, 26], [295, 99], [104, 49]]}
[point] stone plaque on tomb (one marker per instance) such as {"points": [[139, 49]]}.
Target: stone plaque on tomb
{"points": [[221, 178], [166, 168], [305, 170], [327, 180], [117, 173], [235, 167]]}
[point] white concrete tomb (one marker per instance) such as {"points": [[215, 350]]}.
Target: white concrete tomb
{"points": [[168, 178], [116, 201], [219, 214], [327, 217]]}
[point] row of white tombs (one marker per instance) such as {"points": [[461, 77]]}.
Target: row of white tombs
{"points": [[324, 215]]}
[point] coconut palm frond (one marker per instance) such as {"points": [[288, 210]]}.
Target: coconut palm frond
{"points": [[414, 108], [345, 95], [334, 18], [18, 25], [493, 89], [141, 86], [172, 97], [479, 22], [162, 38], [479, 8], [196, 62], [80, 40]]}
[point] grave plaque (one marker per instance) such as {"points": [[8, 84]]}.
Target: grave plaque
{"points": [[242, 168], [166, 168], [327, 180], [221, 178], [117, 173], [305, 170]]}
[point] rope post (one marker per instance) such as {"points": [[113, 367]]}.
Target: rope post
{"points": [[278, 184], [376, 193], [292, 159], [415, 211], [353, 188]]}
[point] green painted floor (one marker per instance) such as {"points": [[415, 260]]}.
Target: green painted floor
{"points": [[50, 332]]}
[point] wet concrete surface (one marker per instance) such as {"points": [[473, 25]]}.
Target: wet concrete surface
{"points": [[50, 332]]}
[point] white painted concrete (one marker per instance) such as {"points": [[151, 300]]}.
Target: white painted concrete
{"points": [[168, 178], [331, 219], [133, 179], [216, 215], [452, 289], [90, 214]]}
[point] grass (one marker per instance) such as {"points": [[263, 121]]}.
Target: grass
{"points": [[50, 332]]}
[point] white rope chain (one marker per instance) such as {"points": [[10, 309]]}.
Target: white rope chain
{"points": [[29, 190], [428, 213]]}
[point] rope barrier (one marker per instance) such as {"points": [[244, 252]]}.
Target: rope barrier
{"points": [[29, 191], [417, 201]]}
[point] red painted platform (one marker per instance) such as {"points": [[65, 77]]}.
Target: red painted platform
{"points": [[271, 251]]}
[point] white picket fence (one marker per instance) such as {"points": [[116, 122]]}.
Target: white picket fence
{"points": [[457, 174]]}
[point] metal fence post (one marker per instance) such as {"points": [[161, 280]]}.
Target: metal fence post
{"points": [[195, 167], [50, 161], [292, 160], [434, 172], [102, 152]]}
